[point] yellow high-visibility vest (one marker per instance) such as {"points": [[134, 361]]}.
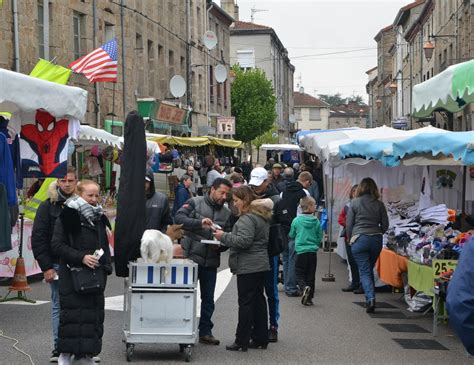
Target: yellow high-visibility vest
{"points": [[33, 204]]}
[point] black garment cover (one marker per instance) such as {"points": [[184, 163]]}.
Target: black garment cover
{"points": [[130, 221]]}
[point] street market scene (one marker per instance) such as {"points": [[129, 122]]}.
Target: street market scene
{"points": [[236, 181]]}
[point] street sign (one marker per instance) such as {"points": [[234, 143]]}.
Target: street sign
{"points": [[225, 126]]}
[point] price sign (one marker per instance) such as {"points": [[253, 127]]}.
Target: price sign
{"points": [[441, 266]]}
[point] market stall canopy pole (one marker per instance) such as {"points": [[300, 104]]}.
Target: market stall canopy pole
{"points": [[130, 221], [450, 90], [21, 92]]}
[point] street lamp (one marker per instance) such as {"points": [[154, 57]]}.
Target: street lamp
{"points": [[428, 49], [393, 87]]}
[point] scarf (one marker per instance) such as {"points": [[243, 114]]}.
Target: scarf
{"points": [[89, 212], [62, 197]]}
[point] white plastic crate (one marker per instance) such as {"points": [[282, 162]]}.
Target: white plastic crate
{"points": [[179, 273]]}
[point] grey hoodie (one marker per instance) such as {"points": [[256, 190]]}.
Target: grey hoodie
{"points": [[366, 215]]}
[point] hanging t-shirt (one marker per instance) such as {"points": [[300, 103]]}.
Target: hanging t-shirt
{"points": [[446, 185]]}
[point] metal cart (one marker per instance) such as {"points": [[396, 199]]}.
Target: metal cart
{"points": [[160, 305]]}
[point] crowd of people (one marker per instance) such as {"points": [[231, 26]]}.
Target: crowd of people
{"points": [[241, 209]]}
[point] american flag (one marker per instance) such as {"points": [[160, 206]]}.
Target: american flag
{"points": [[100, 65]]}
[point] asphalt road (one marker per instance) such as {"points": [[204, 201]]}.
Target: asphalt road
{"points": [[333, 331]]}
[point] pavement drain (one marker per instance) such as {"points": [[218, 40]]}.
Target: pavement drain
{"points": [[417, 344], [378, 305], [406, 328], [387, 314]]}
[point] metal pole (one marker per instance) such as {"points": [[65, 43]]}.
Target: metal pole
{"points": [[46, 28], [124, 83], [94, 42], [16, 39], [329, 276], [463, 203], [189, 90]]}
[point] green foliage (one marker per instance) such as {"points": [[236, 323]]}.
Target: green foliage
{"points": [[266, 138], [253, 104], [337, 99]]}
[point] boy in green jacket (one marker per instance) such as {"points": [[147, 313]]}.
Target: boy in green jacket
{"points": [[306, 231]]}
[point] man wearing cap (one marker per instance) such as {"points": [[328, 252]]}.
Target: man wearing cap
{"points": [[277, 177], [157, 207], [262, 187]]}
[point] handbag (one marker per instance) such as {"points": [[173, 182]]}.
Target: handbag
{"points": [[88, 281], [277, 240]]}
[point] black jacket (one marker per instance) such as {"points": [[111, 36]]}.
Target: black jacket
{"points": [[43, 228], [81, 323], [286, 208], [157, 208]]}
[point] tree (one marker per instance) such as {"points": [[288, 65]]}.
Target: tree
{"points": [[253, 104], [269, 137], [332, 100], [357, 99]]}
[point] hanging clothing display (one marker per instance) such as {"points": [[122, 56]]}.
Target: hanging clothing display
{"points": [[44, 145], [5, 227], [13, 140], [7, 175]]}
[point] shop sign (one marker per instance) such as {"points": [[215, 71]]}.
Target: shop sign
{"points": [[171, 114], [225, 126]]}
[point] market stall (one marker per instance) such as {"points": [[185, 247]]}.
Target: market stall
{"points": [[287, 153], [44, 116]]}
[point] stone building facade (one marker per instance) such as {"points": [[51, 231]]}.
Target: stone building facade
{"points": [[155, 49]]}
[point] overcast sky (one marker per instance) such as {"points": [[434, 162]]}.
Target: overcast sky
{"points": [[314, 27]]}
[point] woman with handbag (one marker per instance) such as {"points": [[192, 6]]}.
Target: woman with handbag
{"points": [[80, 240], [248, 259]]}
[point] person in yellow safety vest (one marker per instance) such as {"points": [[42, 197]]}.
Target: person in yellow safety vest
{"points": [[41, 195]]}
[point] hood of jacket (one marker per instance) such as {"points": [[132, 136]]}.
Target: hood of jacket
{"points": [[262, 208], [53, 193], [294, 186], [306, 220], [151, 191], [271, 191]]}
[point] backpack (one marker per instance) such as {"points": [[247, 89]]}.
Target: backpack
{"points": [[277, 240]]}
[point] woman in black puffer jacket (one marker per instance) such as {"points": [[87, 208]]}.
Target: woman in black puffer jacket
{"points": [[79, 231], [248, 259]]}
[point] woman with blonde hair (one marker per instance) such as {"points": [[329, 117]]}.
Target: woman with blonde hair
{"points": [[80, 241], [366, 223], [249, 261]]}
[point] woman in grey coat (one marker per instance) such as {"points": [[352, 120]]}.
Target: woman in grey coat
{"points": [[366, 223], [249, 261]]}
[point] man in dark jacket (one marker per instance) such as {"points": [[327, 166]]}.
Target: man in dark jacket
{"points": [[43, 228], [288, 177], [157, 208], [261, 186], [197, 216], [285, 211], [181, 193]]}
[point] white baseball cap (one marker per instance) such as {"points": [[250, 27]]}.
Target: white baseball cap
{"points": [[258, 176]]}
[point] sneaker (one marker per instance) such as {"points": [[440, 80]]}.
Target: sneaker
{"points": [[348, 289], [209, 340], [273, 334], [309, 303], [359, 290], [96, 358], [54, 356], [305, 297]]}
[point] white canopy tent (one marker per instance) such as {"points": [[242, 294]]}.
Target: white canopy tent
{"points": [[281, 147]]}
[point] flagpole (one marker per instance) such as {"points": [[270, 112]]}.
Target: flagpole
{"points": [[113, 103]]}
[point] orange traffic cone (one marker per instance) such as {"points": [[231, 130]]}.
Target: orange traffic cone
{"points": [[20, 282]]}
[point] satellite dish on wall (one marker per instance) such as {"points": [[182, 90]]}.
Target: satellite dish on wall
{"points": [[177, 86], [220, 73], [210, 40]]}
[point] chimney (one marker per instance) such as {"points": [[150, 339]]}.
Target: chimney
{"points": [[231, 8]]}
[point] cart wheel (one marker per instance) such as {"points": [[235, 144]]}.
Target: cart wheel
{"points": [[130, 349], [181, 348], [187, 353]]}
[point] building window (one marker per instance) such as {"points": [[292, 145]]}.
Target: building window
{"points": [[246, 58], [314, 114], [161, 55], [211, 83], [183, 65], [109, 32], [40, 29], [78, 33], [151, 67], [170, 58], [298, 114]]}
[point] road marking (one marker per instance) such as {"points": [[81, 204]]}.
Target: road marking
{"points": [[20, 302], [223, 279]]}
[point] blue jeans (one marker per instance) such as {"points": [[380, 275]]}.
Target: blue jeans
{"points": [[55, 307], [271, 291], [289, 271], [366, 250], [207, 283]]}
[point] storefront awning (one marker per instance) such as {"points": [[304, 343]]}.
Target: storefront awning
{"points": [[450, 90], [194, 141], [281, 147]]}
